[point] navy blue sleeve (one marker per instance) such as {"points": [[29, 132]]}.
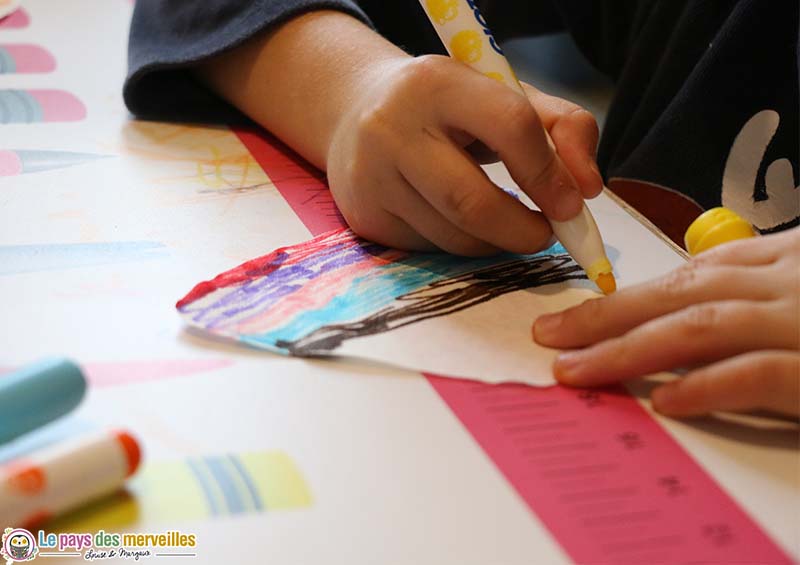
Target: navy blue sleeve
{"points": [[168, 37]]}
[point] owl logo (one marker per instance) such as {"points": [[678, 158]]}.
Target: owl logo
{"points": [[18, 545]]}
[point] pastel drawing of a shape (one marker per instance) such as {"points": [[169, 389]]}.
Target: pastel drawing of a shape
{"points": [[127, 372], [114, 373], [197, 488], [25, 161], [21, 58], [34, 106], [12, 16], [340, 295], [17, 259]]}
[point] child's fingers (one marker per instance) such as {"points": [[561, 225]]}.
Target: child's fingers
{"points": [[508, 123], [750, 252], [612, 316], [701, 333], [459, 189], [387, 229], [767, 380], [406, 203], [575, 133]]}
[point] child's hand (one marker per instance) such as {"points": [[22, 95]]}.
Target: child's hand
{"points": [[732, 315], [400, 173], [391, 130]]}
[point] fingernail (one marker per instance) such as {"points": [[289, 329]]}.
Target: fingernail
{"points": [[568, 367], [662, 397], [546, 326]]}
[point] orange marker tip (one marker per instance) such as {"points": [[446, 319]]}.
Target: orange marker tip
{"points": [[606, 282], [133, 452]]}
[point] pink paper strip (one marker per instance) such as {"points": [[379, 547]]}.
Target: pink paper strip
{"points": [[302, 186], [605, 478]]}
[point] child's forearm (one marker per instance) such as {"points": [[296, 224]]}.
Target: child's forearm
{"points": [[301, 77]]}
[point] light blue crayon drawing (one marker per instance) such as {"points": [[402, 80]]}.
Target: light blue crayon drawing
{"points": [[16, 259]]}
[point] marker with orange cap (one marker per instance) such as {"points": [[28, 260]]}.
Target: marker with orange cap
{"points": [[714, 227], [465, 35], [61, 478]]}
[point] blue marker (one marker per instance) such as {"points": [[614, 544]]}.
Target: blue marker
{"points": [[37, 394]]}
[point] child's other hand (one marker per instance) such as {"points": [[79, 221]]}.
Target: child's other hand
{"points": [[732, 315], [401, 175]]}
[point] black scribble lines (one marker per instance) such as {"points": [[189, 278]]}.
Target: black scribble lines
{"points": [[440, 299]]}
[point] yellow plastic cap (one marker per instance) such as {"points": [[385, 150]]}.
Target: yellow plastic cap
{"points": [[714, 227]]}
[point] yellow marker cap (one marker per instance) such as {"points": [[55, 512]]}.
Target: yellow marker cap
{"points": [[716, 226]]}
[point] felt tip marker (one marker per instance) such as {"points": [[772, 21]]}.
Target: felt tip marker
{"points": [[61, 478], [466, 36]]}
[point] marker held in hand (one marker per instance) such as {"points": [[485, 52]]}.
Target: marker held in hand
{"points": [[467, 38]]}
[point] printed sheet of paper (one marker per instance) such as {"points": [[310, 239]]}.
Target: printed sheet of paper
{"points": [[338, 294]]}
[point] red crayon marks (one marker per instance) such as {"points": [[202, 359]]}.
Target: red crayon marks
{"points": [[252, 269], [15, 20], [602, 475]]}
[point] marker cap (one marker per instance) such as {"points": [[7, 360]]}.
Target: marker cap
{"points": [[714, 227], [38, 394], [133, 453]]}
